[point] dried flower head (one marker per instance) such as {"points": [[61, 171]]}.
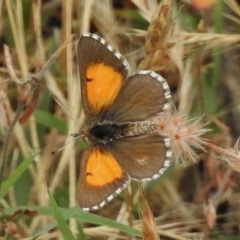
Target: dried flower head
{"points": [[186, 135], [158, 38], [210, 214], [229, 155], [149, 228]]}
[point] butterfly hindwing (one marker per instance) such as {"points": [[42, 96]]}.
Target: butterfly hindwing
{"points": [[101, 178], [143, 157]]}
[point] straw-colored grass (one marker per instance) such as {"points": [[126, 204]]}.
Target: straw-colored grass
{"points": [[38, 189]]}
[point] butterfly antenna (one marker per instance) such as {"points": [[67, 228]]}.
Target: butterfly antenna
{"points": [[67, 113], [60, 149]]}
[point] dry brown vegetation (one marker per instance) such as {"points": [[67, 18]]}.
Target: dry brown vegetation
{"points": [[195, 48]]}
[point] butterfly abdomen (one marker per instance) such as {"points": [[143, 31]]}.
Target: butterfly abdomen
{"points": [[138, 128]]}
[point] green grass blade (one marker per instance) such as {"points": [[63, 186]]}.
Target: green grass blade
{"points": [[64, 228], [9, 182], [79, 215], [95, 219]]}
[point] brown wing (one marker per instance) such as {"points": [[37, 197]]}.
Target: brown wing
{"points": [[103, 71], [101, 178], [142, 96], [142, 157]]}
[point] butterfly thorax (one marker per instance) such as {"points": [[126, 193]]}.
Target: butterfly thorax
{"points": [[104, 132]]}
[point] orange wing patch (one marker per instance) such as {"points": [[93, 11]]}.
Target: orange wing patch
{"points": [[103, 86], [102, 168]]}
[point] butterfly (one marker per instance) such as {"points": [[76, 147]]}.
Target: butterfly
{"points": [[118, 108]]}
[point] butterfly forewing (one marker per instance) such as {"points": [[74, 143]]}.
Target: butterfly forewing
{"points": [[103, 71], [142, 96]]}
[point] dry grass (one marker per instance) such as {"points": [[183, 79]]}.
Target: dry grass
{"points": [[190, 201]]}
